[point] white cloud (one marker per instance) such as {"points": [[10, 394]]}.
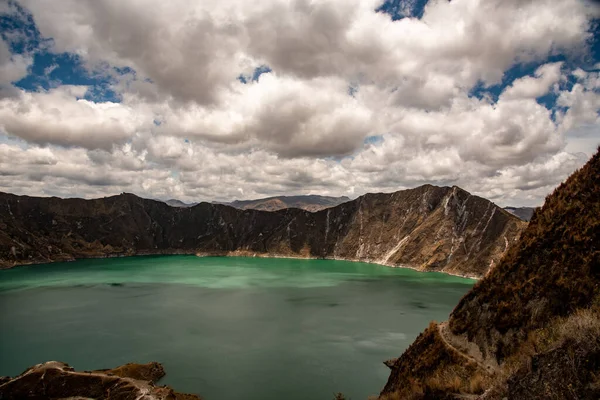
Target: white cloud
{"points": [[298, 129], [288, 116], [532, 87], [192, 51], [582, 101], [60, 116], [12, 68]]}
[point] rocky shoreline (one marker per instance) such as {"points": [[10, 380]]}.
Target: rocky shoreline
{"points": [[58, 380], [368, 261]]}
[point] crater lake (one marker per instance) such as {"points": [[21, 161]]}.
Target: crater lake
{"points": [[226, 328]]}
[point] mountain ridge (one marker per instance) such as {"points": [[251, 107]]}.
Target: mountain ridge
{"points": [[532, 324], [427, 228]]}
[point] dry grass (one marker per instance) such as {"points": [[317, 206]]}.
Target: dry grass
{"points": [[454, 380], [478, 383], [392, 396], [581, 327], [577, 336], [446, 381]]}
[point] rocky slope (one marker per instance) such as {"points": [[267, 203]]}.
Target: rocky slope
{"points": [[428, 228], [56, 380], [309, 203], [531, 328]]}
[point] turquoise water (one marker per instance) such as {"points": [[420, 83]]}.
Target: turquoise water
{"points": [[225, 328]]}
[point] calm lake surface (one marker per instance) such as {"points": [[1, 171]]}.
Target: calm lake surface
{"points": [[225, 328]]}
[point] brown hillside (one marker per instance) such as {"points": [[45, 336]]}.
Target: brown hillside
{"points": [[554, 269], [538, 309]]}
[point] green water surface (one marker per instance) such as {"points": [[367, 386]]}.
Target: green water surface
{"points": [[225, 328]]}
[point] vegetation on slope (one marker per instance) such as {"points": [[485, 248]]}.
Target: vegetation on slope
{"points": [[533, 320]]}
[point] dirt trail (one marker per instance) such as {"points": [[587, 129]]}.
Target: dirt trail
{"points": [[466, 349]]}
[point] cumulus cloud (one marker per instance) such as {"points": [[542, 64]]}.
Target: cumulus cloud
{"points": [[288, 116], [192, 50], [355, 101], [61, 116], [530, 87], [582, 101], [12, 68]]}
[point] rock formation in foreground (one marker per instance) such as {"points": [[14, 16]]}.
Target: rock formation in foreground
{"points": [[531, 328], [427, 228], [57, 380]]}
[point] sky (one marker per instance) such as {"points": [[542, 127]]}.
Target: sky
{"points": [[230, 99]]}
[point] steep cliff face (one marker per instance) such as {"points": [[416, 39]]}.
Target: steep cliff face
{"points": [[531, 327], [429, 228]]}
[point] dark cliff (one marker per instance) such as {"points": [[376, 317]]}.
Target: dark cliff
{"points": [[531, 328], [429, 228]]}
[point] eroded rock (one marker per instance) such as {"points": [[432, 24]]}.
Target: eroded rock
{"points": [[57, 380]]}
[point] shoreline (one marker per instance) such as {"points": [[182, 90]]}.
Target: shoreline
{"points": [[236, 253], [333, 258]]}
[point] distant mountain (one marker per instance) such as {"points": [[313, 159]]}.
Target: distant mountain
{"points": [[525, 213], [309, 203], [428, 228], [531, 328], [179, 203]]}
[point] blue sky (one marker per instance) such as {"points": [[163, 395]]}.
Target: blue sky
{"points": [[336, 90], [50, 69]]}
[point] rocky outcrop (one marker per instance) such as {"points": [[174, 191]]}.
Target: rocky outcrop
{"points": [[531, 328], [57, 380], [428, 228], [151, 372]]}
